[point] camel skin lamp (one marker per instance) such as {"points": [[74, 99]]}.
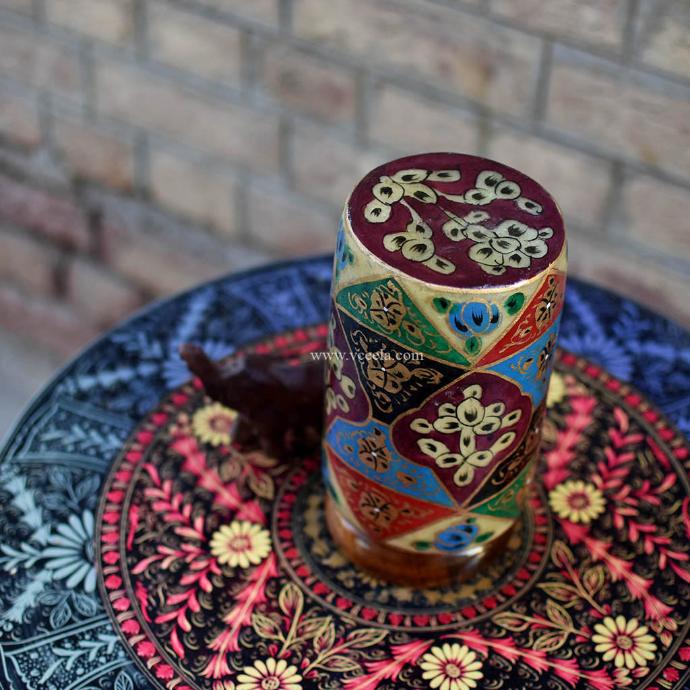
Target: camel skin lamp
{"points": [[447, 293]]}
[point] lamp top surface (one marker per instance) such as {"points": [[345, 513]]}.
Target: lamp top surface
{"points": [[457, 220]]}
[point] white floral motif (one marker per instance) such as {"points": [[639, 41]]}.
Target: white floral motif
{"points": [[471, 419], [491, 185], [391, 189], [415, 244], [457, 228], [510, 245]]}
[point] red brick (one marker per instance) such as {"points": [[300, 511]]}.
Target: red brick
{"points": [[327, 168], [194, 189], [285, 224], [458, 52], [410, 123], [579, 183], [309, 84], [211, 124], [94, 153], [103, 297], [19, 120], [27, 262], [38, 61], [599, 22], [161, 256], [656, 214], [107, 20], [260, 11], [45, 322], [195, 44], [663, 35], [56, 217], [630, 117], [613, 265]]}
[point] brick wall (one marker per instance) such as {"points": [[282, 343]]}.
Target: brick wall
{"points": [[146, 145]]}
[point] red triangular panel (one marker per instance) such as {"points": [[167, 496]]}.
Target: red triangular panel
{"points": [[381, 512], [540, 313]]}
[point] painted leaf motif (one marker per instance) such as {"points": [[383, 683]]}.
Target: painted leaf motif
{"points": [[561, 555], [60, 615], [340, 664], [325, 637], [558, 614], [511, 621], [311, 626], [266, 627], [261, 485], [421, 192], [291, 600], [377, 212], [84, 605], [444, 176], [550, 642], [433, 448], [410, 175], [560, 591], [366, 637], [594, 579], [421, 426]]}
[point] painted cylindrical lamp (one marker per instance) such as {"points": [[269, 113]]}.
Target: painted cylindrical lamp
{"points": [[447, 293]]}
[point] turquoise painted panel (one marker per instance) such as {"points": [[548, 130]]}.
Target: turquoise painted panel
{"points": [[369, 450], [530, 368]]}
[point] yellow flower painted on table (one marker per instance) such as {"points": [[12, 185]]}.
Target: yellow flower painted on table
{"points": [[624, 642], [241, 543], [271, 674], [577, 501], [214, 424], [451, 667]]}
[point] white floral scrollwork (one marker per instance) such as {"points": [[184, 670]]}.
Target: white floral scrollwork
{"points": [[511, 244], [492, 186], [391, 189], [471, 419]]}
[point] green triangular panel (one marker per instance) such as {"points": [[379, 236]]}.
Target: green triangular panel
{"points": [[383, 306], [505, 504]]}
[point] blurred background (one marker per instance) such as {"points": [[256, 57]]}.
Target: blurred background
{"points": [[147, 145]]}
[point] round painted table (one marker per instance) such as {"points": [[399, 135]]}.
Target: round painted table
{"points": [[88, 600]]}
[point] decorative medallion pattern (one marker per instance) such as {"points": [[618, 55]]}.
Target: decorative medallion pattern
{"points": [[464, 442], [456, 220], [217, 569]]}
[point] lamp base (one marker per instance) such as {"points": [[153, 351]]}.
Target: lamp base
{"points": [[404, 567]]}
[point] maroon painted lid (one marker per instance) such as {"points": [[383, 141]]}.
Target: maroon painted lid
{"points": [[457, 220]]}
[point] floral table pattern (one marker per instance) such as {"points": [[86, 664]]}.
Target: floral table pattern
{"points": [[54, 629]]}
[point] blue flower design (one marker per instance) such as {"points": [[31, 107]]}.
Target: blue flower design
{"points": [[456, 537], [474, 317]]}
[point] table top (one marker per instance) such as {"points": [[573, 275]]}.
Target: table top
{"points": [[52, 622]]}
